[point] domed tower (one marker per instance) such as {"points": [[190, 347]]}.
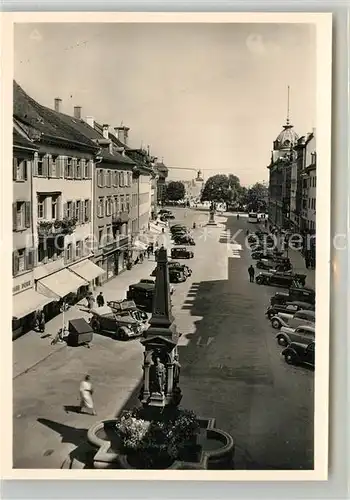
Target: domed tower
{"points": [[280, 173]]}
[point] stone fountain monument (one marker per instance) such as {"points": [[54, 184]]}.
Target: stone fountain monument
{"points": [[211, 221], [160, 397]]}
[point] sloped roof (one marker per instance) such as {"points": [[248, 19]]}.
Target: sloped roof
{"points": [[22, 140], [45, 120]]}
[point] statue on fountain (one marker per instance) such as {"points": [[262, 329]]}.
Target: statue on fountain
{"points": [[211, 221]]}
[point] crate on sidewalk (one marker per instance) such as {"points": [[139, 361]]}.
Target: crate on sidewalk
{"points": [[80, 332]]}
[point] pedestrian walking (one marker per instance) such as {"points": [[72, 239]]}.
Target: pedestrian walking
{"points": [[41, 322], [251, 272], [90, 301], [100, 300], [86, 392], [237, 216]]}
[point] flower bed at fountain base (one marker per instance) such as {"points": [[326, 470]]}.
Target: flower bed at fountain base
{"points": [[210, 449]]}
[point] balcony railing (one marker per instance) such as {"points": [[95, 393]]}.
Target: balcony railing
{"points": [[51, 229]]}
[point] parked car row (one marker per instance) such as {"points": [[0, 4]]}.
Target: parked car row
{"points": [[181, 235], [295, 322]]}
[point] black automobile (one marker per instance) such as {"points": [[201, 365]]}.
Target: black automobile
{"points": [[288, 307], [280, 266], [182, 267], [165, 217], [118, 326], [177, 227], [181, 253], [142, 295], [302, 294], [184, 240], [283, 280], [275, 255], [176, 274], [164, 211], [297, 354]]}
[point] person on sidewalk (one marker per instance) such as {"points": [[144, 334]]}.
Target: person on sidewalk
{"points": [[90, 301], [100, 300], [251, 272], [86, 392], [41, 322]]}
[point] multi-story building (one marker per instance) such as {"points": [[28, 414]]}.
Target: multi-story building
{"points": [[62, 202], [297, 165], [25, 298], [115, 198], [281, 176]]}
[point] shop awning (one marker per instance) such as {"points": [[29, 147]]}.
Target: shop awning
{"points": [[140, 246], [60, 284], [27, 302], [87, 270], [154, 228]]}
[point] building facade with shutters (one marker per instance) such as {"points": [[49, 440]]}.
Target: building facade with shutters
{"points": [[23, 253], [61, 204]]}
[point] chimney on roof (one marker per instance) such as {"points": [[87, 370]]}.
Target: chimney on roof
{"points": [[57, 104], [90, 120], [105, 130], [77, 112], [122, 133]]}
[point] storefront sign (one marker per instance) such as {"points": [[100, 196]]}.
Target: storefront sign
{"points": [[20, 287]]}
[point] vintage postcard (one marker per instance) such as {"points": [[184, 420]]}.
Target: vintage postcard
{"points": [[170, 176]]}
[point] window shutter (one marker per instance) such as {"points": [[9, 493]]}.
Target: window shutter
{"points": [[81, 212], [45, 166], [15, 263], [73, 209], [27, 214], [14, 216], [35, 164], [26, 164], [49, 165], [89, 169], [30, 259], [82, 166], [14, 168], [89, 211], [65, 210]]}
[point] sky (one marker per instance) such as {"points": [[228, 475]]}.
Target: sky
{"points": [[202, 96]]}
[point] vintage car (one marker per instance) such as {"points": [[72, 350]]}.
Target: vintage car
{"points": [[289, 308], [177, 227], [292, 320], [165, 217], [104, 319], [142, 295], [181, 253], [182, 267], [127, 307], [267, 254], [303, 294], [298, 353], [284, 280], [269, 264], [303, 333], [184, 240], [176, 275], [153, 282]]}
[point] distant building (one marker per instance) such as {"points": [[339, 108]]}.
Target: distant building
{"points": [[162, 174], [280, 168], [193, 189]]}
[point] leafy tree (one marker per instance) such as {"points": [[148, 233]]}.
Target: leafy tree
{"points": [[257, 197], [175, 191], [216, 189]]}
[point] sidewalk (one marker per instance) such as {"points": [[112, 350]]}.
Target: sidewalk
{"points": [[33, 347]]}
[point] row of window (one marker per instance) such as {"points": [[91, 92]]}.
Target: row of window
{"points": [[49, 207], [61, 166], [110, 205], [309, 182], [113, 178], [309, 203]]}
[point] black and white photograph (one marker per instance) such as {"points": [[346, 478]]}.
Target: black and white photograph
{"points": [[170, 211]]}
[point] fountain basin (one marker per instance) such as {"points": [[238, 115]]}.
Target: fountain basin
{"points": [[214, 449]]}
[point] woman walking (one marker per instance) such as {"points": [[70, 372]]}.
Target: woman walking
{"points": [[86, 392]]}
